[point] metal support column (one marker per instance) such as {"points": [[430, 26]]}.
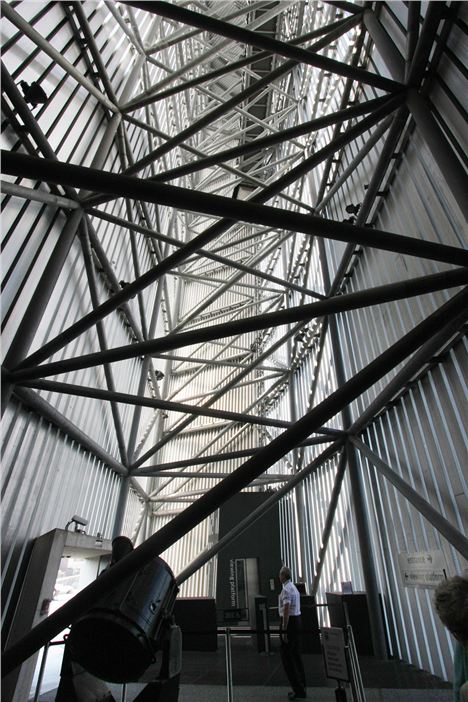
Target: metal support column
{"points": [[327, 527], [121, 506], [365, 542]]}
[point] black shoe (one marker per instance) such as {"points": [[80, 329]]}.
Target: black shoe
{"points": [[293, 696]]}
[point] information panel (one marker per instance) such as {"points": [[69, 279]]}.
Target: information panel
{"points": [[333, 645], [422, 569]]}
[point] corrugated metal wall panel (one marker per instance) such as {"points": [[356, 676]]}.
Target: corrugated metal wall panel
{"points": [[423, 435], [46, 479]]}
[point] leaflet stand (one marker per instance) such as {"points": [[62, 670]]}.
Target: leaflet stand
{"points": [[341, 661]]}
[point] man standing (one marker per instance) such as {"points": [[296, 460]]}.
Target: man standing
{"points": [[291, 635]]}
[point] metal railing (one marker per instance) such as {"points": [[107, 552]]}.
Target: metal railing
{"points": [[355, 678]]}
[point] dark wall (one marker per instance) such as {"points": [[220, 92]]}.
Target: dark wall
{"points": [[261, 540]]}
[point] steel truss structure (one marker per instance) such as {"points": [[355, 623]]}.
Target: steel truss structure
{"points": [[235, 231]]}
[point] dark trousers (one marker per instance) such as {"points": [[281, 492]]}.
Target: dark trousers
{"points": [[291, 656]]}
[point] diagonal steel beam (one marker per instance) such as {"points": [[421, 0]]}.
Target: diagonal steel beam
{"points": [[211, 76], [442, 525], [444, 156], [182, 34], [423, 48], [384, 45], [329, 520], [262, 41], [78, 9], [38, 196], [380, 169], [87, 256], [217, 458], [412, 34], [236, 481], [265, 142], [121, 397], [52, 415], [226, 106], [10, 13], [373, 296], [111, 277], [351, 168]]}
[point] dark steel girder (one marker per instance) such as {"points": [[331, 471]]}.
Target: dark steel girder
{"points": [[141, 401], [51, 414], [271, 139], [375, 184], [143, 99], [443, 526], [102, 337], [405, 375], [236, 481], [262, 41], [244, 210], [333, 305], [293, 481], [219, 457], [233, 102]]}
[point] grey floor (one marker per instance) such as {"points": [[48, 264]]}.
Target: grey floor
{"points": [[255, 693], [260, 678]]}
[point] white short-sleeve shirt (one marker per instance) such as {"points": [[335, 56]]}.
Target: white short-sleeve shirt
{"points": [[289, 594]]}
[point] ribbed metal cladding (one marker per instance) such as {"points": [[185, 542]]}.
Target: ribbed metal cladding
{"points": [[48, 477], [422, 434]]}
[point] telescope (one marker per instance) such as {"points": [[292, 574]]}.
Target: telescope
{"points": [[119, 638]]}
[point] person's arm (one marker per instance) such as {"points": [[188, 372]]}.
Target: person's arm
{"points": [[285, 620]]}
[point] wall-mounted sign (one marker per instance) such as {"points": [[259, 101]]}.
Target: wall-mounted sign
{"points": [[422, 569], [334, 654]]}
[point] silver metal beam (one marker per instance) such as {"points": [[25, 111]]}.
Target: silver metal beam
{"points": [[37, 195], [10, 13], [257, 513], [443, 526]]}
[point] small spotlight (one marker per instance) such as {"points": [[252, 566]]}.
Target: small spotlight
{"points": [[33, 94], [79, 522], [352, 209]]}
